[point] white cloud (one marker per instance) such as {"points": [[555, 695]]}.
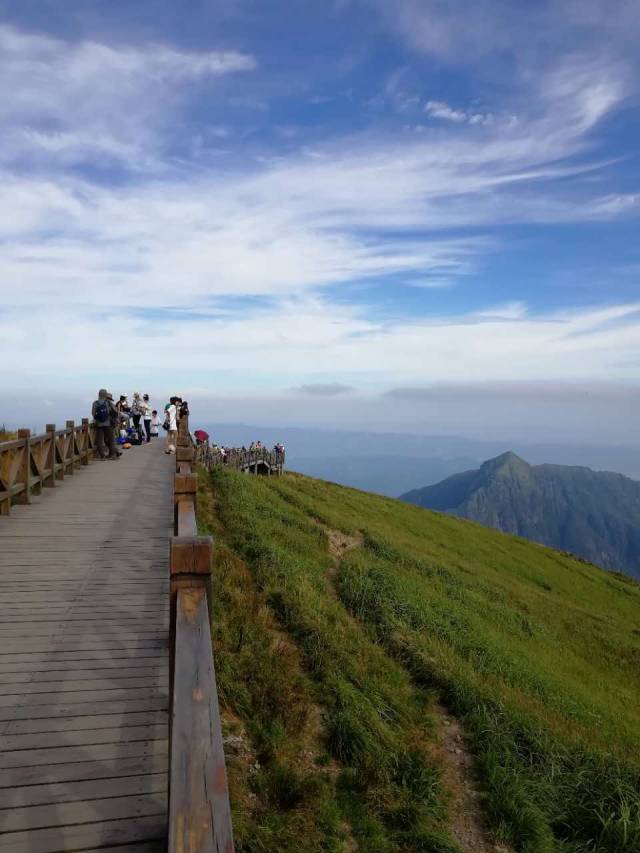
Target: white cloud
{"points": [[80, 262], [84, 101], [442, 110], [302, 341], [328, 217]]}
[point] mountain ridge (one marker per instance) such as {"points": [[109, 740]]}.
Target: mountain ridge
{"points": [[592, 514]]}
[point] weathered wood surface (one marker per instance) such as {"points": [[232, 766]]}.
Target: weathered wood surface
{"points": [[200, 819], [84, 601], [199, 811], [29, 463]]}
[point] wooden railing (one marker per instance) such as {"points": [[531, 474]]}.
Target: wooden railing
{"points": [[199, 813], [30, 463], [252, 461]]}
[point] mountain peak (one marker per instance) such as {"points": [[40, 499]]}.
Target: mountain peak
{"points": [[509, 461]]}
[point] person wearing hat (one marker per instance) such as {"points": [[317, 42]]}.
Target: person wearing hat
{"points": [[103, 412]]}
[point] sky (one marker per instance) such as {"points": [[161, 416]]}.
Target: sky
{"points": [[415, 214]]}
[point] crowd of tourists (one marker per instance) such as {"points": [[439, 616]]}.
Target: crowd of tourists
{"points": [[121, 425], [227, 454]]}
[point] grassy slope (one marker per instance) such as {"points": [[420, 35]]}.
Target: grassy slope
{"points": [[538, 653]]}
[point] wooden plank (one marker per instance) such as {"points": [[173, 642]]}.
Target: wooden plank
{"points": [[72, 629], [11, 645], [50, 740], [81, 674], [55, 773], [199, 803], [87, 811], [97, 656], [81, 696], [186, 518], [81, 709], [84, 685], [75, 838], [68, 792], [82, 753], [136, 847], [89, 721]]}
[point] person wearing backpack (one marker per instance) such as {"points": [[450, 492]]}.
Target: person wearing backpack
{"points": [[102, 412]]}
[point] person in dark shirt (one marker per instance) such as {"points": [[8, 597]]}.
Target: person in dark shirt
{"points": [[103, 412]]}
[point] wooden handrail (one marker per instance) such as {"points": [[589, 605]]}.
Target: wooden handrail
{"points": [[251, 461], [30, 463], [199, 811]]}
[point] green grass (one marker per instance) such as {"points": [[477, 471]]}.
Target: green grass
{"points": [[537, 653]]}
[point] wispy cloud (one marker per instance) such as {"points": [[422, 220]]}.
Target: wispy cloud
{"points": [[78, 101], [90, 264], [514, 31], [306, 222], [442, 110]]}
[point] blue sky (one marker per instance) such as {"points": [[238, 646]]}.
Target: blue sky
{"points": [[335, 207]]}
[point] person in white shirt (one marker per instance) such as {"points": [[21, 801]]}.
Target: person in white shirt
{"points": [[171, 419], [154, 424], [146, 416]]}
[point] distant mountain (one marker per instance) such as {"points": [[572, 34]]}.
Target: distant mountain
{"points": [[306, 442], [385, 474], [594, 514]]}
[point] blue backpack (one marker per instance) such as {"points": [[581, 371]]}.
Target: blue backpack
{"points": [[102, 411]]}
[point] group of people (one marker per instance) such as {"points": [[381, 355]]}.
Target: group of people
{"points": [[138, 415], [125, 424], [225, 453]]}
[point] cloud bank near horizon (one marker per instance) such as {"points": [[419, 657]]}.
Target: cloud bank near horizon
{"points": [[168, 194]]}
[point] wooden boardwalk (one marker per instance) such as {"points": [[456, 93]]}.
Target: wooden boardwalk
{"points": [[84, 662]]}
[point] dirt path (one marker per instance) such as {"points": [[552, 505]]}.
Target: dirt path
{"points": [[467, 823], [450, 751], [340, 543]]}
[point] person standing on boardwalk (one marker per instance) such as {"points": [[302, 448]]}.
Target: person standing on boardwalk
{"points": [[122, 407], [136, 414], [115, 424], [103, 411], [171, 423], [155, 424], [146, 416]]}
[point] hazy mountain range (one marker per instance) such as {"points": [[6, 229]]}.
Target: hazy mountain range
{"points": [[594, 514], [394, 463]]}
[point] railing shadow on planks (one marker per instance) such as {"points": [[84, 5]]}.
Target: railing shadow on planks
{"points": [[30, 463], [199, 812]]}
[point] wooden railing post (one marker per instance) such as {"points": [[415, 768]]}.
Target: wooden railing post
{"points": [[24, 470], [71, 445], [50, 461], [84, 450], [30, 463]]}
